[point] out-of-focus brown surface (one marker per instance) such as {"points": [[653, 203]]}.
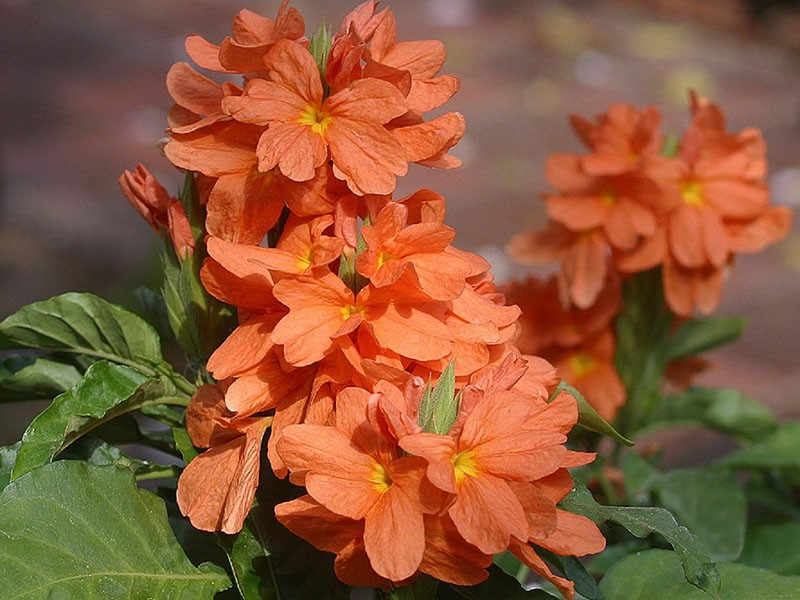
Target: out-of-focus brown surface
{"points": [[83, 98]]}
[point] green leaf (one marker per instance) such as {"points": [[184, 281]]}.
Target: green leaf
{"points": [[8, 455], [574, 570], [184, 444], [711, 504], [656, 575], [99, 453], [512, 565], [589, 418], [779, 450], [773, 546], [83, 324], [638, 478], [423, 588], [290, 568], [72, 530], [697, 566], [249, 561], [726, 410], [105, 391], [698, 335], [499, 585], [26, 377]]}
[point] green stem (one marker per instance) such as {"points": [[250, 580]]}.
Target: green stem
{"points": [[165, 473]]}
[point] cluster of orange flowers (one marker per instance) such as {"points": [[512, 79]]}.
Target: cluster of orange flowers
{"points": [[358, 307], [627, 206], [636, 201]]}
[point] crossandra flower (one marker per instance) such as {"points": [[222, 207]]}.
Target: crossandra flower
{"points": [[622, 139], [161, 211], [714, 203], [253, 35], [353, 471], [584, 259], [217, 488], [394, 249], [304, 129], [243, 203]]}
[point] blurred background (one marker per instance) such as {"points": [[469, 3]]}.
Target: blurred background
{"points": [[83, 98]]}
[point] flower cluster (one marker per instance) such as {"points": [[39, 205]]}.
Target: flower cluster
{"points": [[634, 203], [355, 307], [580, 343]]}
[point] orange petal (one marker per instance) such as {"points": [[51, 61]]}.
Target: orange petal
{"points": [[487, 513]]}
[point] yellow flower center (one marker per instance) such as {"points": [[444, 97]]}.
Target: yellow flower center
{"points": [[316, 119], [385, 257], [582, 364], [608, 198], [350, 310], [692, 193], [464, 465], [380, 479], [304, 261]]}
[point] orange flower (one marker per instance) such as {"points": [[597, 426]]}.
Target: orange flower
{"points": [[322, 308], [395, 248], [243, 203], [590, 368], [714, 203], [353, 472], [253, 35], [571, 535], [504, 438], [579, 343], [217, 488], [160, 210], [619, 204], [304, 128], [421, 60], [583, 257], [621, 140], [546, 322]]}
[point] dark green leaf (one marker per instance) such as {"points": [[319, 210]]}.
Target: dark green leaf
{"points": [[773, 546], [105, 391], [697, 566], [284, 561], [249, 561], [779, 450], [698, 335], [639, 476], [72, 530], [163, 414], [423, 588], [711, 504], [512, 565], [726, 410], [499, 585], [589, 418], [97, 452], [32, 378], [83, 324], [656, 575], [575, 571]]}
